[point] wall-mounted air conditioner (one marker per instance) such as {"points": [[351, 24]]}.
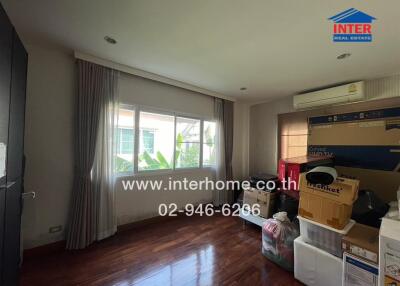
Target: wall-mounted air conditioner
{"points": [[336, 95]]}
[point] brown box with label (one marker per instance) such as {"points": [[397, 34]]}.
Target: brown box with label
{"points": [[362, 241], [266, 200], [331, 205]]}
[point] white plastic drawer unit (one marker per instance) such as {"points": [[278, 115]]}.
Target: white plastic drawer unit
{"points": [[315, 267], [323, 236]]}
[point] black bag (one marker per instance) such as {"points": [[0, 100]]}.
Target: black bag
{"points": [[289, 205], [368, 209]]}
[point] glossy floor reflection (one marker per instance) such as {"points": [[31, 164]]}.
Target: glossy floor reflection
{"points": [[197, 271], [185, 251]]}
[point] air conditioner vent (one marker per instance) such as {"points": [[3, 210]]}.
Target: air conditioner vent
{"points": [[336, 95]]}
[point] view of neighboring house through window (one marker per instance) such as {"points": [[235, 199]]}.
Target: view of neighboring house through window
{"points": [[165, 141], [148, 141], [187, 149], [156, 141], [209, 130], [124, 140]]}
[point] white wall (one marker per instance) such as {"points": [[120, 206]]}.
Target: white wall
{"points": [[264, 134], [241, 136], [49, 144]]}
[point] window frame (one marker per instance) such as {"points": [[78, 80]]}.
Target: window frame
{"points": [[137, 109]]}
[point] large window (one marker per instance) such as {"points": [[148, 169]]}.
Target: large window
{"points": [[148, 141]]}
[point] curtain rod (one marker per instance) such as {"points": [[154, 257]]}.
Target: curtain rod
{"points": [[148, 75]]}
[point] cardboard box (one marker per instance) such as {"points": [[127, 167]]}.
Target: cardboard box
{"points": [[389, 252], [331, 205], [362, 241], [250, 196], [371, 159], [265, 200], [359, 272], [291, 168]]}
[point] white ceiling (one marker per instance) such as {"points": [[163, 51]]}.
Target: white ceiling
{"points": [[274, 48]]}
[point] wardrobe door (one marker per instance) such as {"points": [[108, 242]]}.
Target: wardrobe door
{"points": [[17, 111], [6, 32], [2, 221], [11, 252], [12, 229]]}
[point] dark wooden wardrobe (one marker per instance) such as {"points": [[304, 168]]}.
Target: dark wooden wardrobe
{"points": [[13, 70]]}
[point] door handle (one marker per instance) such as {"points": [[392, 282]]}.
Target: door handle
{"points": [[28, 195]]}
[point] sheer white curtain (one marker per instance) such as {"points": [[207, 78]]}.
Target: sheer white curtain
{"points": [[220, 196], [92, 215], [104, 166]]}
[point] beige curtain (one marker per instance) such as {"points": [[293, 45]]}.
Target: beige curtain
{"points": [[96, 92], [223, 114], [292, 134]]}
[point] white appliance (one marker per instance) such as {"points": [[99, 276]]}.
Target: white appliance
{"points": [[336, 95], [315, 267], [389, 252]]}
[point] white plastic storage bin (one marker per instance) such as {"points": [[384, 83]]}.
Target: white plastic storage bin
{"points": [[323, 236], [313, 266]]}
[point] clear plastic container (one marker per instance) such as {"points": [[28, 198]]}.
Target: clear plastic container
{"points": [[323, 236]]}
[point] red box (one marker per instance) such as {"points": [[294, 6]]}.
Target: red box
{"points": [[281, 170], [294, 171], [291, 168]]}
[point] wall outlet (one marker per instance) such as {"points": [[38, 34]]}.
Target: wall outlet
{"points": [[54, 229]]}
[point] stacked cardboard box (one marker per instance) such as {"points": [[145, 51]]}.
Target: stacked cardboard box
{"points": [[361, 253], [325, 218], [265, 200], [330, 205]]}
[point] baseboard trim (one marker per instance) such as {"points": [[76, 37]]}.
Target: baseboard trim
{"points": [[145, 222], [44, 250], [59, 246]]}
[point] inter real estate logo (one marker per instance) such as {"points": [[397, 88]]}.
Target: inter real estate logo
{"points": [[352, 25]]}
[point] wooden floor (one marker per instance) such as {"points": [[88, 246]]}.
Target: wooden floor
{"points": [[185, 251]]}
